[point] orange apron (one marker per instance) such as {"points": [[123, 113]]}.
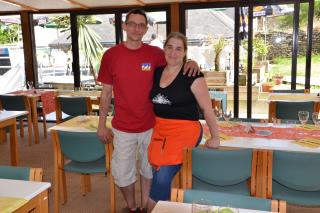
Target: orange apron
{"points": [[169, 138]]}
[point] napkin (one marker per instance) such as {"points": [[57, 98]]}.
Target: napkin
{"points": [[10, 204], [224, 137], [308, 127], [228, 124], [308, 142]]}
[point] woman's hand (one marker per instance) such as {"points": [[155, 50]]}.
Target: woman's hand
{"points": [[213, 143]]}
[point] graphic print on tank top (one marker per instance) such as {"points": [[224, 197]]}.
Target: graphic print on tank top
{"points": [[161, 99]]}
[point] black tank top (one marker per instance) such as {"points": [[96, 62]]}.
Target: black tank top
{"points": [[176, 101]]}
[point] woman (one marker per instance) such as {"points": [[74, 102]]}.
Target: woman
{"points": [[175, 97]]}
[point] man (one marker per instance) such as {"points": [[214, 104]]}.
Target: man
{"points": [[127, 71]]}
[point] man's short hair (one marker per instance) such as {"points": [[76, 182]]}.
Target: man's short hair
{"points": [[138, 11]]}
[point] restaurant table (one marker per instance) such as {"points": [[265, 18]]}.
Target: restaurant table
{"points": [[294, 97], [34, 96], [8, 119], [23, 196], [169, 207], [295, 138]]}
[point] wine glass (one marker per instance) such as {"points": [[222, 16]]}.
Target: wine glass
{"points": [[303, 117], [316, 119], [227, 115], [30, 84]]}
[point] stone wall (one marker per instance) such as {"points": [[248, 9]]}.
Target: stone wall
{"points": [[284, 47]]}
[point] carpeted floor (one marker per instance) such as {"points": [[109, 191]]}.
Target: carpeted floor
{"points": [[97, 200]]}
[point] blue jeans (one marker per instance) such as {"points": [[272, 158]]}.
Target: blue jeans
{"points": [[162, 178]]}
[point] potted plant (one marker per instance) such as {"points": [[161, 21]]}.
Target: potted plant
{"points": [[267, 87]]}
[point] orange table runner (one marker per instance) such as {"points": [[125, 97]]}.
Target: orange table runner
{"points": [[47, 98], [238, 130]]}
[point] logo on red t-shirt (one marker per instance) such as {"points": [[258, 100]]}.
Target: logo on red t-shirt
{"points": [[146, 67]]}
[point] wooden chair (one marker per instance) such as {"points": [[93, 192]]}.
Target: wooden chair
{"points": [[21, 173], [294, 177], [289, 110], [72, 106], [18, 103], [232, 170], [227, 199], [86, 155]]}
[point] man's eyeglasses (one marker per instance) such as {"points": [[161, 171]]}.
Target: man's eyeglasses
{"points": [[140, 26]]}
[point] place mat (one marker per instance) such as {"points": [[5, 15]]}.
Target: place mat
{"points": [[308, 127], [308, 142], [10, 204], [47, 98], [89, 123], [228, 124]]}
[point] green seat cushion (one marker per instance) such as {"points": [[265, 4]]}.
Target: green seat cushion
{"points": [[240, 188], [298, 171], [16, 173], [281, 192], [98, 166], [221, 167], [227, 199]]}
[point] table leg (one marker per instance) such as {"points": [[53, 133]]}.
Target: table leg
{"points": [[13, 144], [3, 135], [33, 104]]}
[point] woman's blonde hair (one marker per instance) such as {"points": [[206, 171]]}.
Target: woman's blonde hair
{"points": [[180, 36]]}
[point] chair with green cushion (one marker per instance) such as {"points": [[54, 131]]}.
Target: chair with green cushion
{"points": [[227, 200], [85, 155], [219, 170], [20, 173], [18, 103], [289, 110], [296, 178], [72, 106]]}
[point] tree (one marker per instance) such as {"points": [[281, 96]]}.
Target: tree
{"points": [[218, 46], [88, 40], [286, 21]]}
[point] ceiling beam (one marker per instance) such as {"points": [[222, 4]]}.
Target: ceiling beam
{"points": [[18, 4], [74, 2], [141, 2]]}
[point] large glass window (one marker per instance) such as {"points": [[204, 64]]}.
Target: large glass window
{"points": [[96, 34], [12, 71], [210, 34], [315, 60], [53, 48]]}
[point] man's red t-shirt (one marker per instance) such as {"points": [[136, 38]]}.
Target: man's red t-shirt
{"points": [[130, 72]]}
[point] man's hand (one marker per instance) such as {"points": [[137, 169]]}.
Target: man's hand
{"points": [[191, 67], [105, 135]]}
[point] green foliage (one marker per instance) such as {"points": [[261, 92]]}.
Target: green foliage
{"points": [[89, 44], [9, 34], [218, 46], [260, 48], [286, 21]]}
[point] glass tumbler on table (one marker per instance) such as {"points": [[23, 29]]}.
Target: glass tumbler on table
{"points": [[303, 117]]}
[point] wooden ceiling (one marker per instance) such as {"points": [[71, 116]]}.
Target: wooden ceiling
{"points": [[40, 5]]}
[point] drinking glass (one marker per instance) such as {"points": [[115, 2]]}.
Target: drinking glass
{"points": [[110, 110], [201, 206], [227, 115], [303, 117], [316, 119], [30, 84]]}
